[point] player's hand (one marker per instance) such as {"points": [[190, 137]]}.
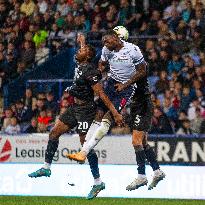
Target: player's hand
{"points": [[118, 119], [119, 87]]}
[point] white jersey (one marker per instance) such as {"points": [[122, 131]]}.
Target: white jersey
{"points": [[122, 63]]}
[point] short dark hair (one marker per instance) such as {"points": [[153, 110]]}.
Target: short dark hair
{"points": [[110, 32], [92, 52]]}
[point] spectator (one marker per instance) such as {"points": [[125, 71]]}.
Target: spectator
{"points": [[6, 120], [32, 128], [195, 104], [13, 128], [185, 99], [51, 103], [27, 54], [185, 129], [160, 123], [162, 84], [27, 7], [197, 122]]}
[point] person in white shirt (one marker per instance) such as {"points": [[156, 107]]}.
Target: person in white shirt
{"points": [[13, 128]]}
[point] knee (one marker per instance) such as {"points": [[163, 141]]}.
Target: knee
{"points": [[59, 129], [137, 138], [54, 134]]}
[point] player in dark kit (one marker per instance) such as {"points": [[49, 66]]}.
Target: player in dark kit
{"points": [[81, 114], [128, 72]]}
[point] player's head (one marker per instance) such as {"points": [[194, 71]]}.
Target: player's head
{"points": [[85, 54], [111, 40]]}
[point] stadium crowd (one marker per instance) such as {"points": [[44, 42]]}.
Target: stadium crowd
{"points": [[171, 35]]}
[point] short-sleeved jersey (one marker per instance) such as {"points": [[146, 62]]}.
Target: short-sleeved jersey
{"points": [[122, 63], [87, 75]]}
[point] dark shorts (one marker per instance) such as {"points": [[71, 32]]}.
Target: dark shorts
{"points": [[79, 116], [114, 96], [141, 115]]}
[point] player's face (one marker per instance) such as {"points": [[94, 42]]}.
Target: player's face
{"points": [[110, 42], [82, 54]]}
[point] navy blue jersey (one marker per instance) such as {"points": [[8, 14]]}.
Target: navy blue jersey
{"points": [[86, 76]]}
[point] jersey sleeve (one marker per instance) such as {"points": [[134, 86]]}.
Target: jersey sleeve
{"points": [[93, 76], [137, 56]]}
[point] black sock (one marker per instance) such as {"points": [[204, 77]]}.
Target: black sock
{"points": [[93, 162], [140, 158], [52, 146], [151, 157]]}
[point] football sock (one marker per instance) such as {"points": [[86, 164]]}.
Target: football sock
{"points": [[101, 131], [94, 126], [97, 181], [140, 158], [46, 165], [52, 146], [151, 157], [93, 162]]}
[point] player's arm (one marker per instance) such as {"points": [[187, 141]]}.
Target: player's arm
{"points": [[140, 73], [102, 65], [103, 62], [99, 91], [140, 67]]}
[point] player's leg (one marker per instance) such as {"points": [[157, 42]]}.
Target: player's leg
{"points": [[140, 115], [152, 159], [62, 125], [100, 131], [52, 146], [93, 162], [107, 120], [141, 180]]}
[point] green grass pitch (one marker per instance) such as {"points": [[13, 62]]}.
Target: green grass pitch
{"points": [[28, 200]]}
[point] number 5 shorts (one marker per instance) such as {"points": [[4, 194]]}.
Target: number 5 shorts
{"points": [[141, 112]]}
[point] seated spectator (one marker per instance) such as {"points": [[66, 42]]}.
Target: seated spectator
{"points": [[13, 128], [23, 113], [39, 106], [66, 100], [192, 108], [6, 120], [27, 7], [185, 128], [21, 70], [176, 64], [42, 53], [32, 128], [196, 122], [185, 98], [43, 118], [169, 110], [29, 99], [51, 103], [28, 54], [162, 84], [160, 123]]}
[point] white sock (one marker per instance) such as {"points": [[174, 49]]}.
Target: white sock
{"points": [[97, 181], [46, 165], [94, 126], [141, 176], [157, 172], [99, 133]]}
